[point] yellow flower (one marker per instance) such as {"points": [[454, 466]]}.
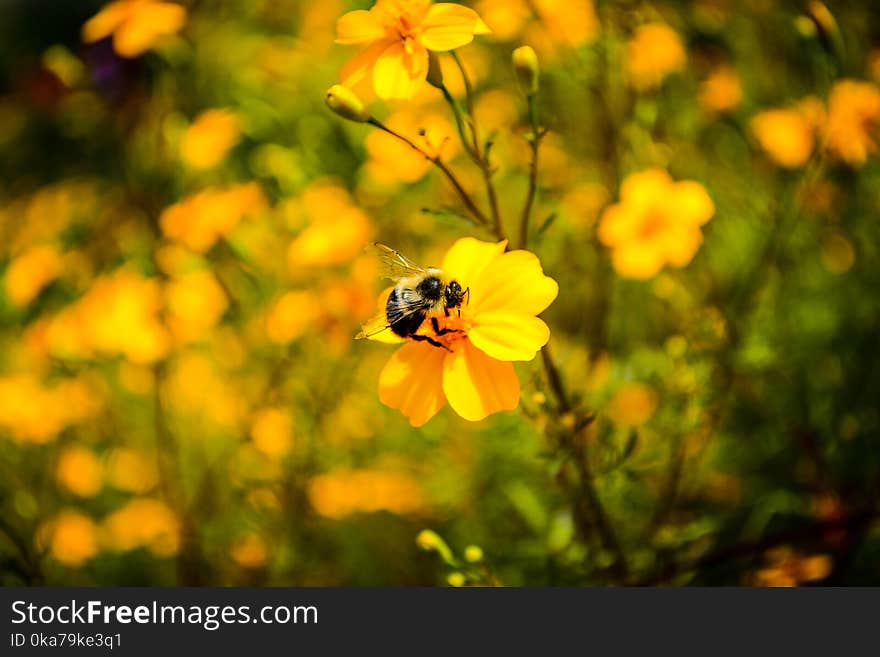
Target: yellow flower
{"points": [[143, 522], [72, 537], [633, 405], [396, 36], [786, 135], [207, 141], [787, 567], [136, 25], [195, 303], [497, 324], [654, 52], [272, 432], [79, 470], [249, 551], [721, 91], [344, 492], [853, 121], [30, 272], [657, 222]]}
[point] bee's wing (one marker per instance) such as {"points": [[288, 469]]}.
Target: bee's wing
{"points": [[379, 327], [394, 264]]}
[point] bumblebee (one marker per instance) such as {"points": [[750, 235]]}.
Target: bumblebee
{"points": [[420, 293]]}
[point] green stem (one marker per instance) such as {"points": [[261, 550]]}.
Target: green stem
{"points": [[535, 143], [469, 98], [437, 162]]}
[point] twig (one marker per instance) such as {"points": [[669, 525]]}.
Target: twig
{"points": [[437, 162]]}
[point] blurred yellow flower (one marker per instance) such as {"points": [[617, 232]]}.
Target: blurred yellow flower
{"points": [[497, 324], [72, 538], [507, 17], [249, 551], [118, 315], [32, 412], [344, 492], [786, 135], [336, 229], [853, 124], [131, 470], [272, 432], [200, 220], [291, 316], [572, 22], [657, 222], [392, 161], [653, 53], [142, 522], [136, 25], [721, 92], [195, 303], [396, 36], [786, 567], [80, 471], [633, 405], [30, 272], [206, 142]]}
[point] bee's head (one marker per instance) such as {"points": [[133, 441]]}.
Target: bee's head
{"points": [[454, 294]]}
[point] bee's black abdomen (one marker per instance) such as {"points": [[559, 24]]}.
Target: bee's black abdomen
{"points": [[431, 288], [407, 325]]}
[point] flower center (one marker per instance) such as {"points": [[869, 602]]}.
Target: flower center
{"points": [[453, 329], [652, 224]]}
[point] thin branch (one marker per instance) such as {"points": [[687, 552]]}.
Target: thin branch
{"points": [[535, 143], [437, 162]]}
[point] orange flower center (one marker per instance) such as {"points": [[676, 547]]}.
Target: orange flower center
{"points": [[453, 329], [652, 224]]}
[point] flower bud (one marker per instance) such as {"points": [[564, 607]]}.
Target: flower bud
{"points": [[473, 554], [435, 72], [525, 63], [344, 102]]}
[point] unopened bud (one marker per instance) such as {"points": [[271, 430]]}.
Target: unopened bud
{"points": [[456, 579], [525, 63], [473, 554], [435, 72], [344, 102]]}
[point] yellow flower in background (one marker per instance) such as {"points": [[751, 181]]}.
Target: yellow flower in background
{"points": [[118, 315], [71, 536], [653, 53], [396, 36], [195, 303], [392, 161], [344, 492], [131, 470], [722, 91], [633, 405], [573, 22], [786, 135], [291, 316], [497, 325], [210, 137], [80, 471], [656, 223], [30, 272], [787, 567], [200, 220], [36, 413], [272, 432], [142, 522], [136, 25], [249, 551], [853, 125]]}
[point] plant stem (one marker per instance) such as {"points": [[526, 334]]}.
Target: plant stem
{"points": [[437, 162], [535, 143], [469, 98]]}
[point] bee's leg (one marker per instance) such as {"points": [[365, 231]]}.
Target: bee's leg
{"points": [[442, 331], [430, 340]]}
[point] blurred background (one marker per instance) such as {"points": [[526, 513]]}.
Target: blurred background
{"points": [[182, 272]]}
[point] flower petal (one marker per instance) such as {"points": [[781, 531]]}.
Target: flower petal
{"points": [[509, 336], [358, 27], [448, 26], [399, 73], [360, 66], [514, 283], [146, 25], [681, 243], [638, 259], [105, 22], [645, 188], [477, 385], [692, 202], [412, 382], [468, 257]]}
